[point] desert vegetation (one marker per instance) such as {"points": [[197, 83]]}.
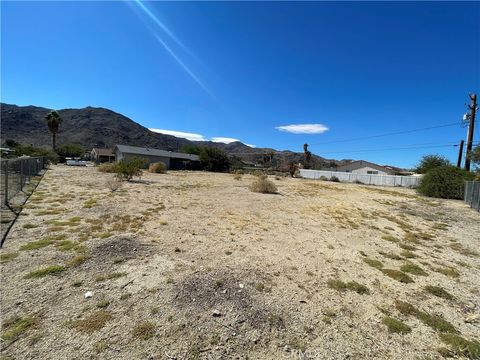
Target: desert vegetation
{"points": [[197, 265]]}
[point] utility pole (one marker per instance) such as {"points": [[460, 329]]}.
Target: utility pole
{"points": [[460, 153], [473, 109]]}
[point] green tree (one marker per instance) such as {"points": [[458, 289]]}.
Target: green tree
{"points": [[429, 162], [475, 156], [214, 159], [70, 150], [191, 149], [53, 120], [20, 150], [445, 182]]}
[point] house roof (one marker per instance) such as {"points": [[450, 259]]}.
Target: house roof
{"points": [[104, 152], [155, 152], [361, 164]]}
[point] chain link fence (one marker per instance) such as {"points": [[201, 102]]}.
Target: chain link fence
{"points": [[472, 194], [16, 174], [16, 184]]}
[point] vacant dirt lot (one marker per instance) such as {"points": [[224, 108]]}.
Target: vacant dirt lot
{"points": [[193, 265]]}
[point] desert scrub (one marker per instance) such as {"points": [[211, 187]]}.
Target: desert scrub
{"points": [[158, 168], [352, 285], [398, 275], [462, 346], [89, 203], [390, 238], [373, 263], [407, 247], [102, 304], [439, 292], [16, 326], [390, 255], [436, 322], [8, 257], [237, 176], [49, 270], [263, 185], [30, 226], [77, 261], [92, 323], [414, 269], [408, 254], [144, 330], [34, 245], [396, 326]]}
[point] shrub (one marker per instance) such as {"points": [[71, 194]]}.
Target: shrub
{"points": [[323, 178], [263, 185], [237, 176], [126, 169], [430, 162], [445, 182], [334, 179], [108, 167], [158, 168], [214, 159]]}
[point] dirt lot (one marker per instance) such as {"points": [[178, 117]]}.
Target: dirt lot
{"points": [[191, 265]]}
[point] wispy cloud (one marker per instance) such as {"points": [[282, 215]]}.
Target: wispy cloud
{"points": [[303, 128], [225, 140], [181, 134], [197, 137]]}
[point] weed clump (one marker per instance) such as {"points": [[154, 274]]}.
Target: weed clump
{"points": [[396, 326], [439, 292], [34, 245], [447, 271], [16, 326], [352, 285], [377, 264], [390, 238], [158, 168], [462, 346], [436, 322], [110, 276], [145, 330], [50, 270], [7, 257], [398, 275], [92, 323], [413, 269], [263, 185]]}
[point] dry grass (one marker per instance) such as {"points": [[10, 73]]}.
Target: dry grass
{"points": [[439, 292], [16, 326], [398, 275], [263, 185], [144, 330], [49, 270], [377, 264], [436, 322], [92, 323], [462, 346], [8, 257], [396, 326], [414, 269]]}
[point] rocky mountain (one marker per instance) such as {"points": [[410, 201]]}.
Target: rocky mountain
{"points": [[99, 127]]}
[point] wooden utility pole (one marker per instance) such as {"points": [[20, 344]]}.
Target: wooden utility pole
{"points": [[473, 109], [460, 153]]}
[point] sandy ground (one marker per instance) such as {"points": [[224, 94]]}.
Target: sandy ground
{"points": [[191, 265]]}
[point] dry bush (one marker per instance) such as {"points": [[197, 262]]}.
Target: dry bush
{"points": [[158, 168], [237, 176], [107, 167], [114, 183], [263, 185]]}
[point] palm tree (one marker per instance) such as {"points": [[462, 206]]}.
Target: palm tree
{"points": [[53, 122]]}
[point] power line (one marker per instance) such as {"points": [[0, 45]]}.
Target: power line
{"points": [[388, 134], [412, 146]]}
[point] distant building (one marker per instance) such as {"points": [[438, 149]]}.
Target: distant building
{"points": [[173, 160], [365, 167], [102, 155]]}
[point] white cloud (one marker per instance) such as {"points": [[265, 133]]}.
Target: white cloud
{"points": [[303, 128], [197, 137], [252, 146], [224, 140], [181, 134]]}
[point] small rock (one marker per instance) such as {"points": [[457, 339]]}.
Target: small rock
{"points": [[88, 294], [216, 313], [224, 291], [472, 318], [241, 286]]}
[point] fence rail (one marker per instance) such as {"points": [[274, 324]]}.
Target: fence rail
{"points": [[16, 174], [472, 194], [368, 179]]}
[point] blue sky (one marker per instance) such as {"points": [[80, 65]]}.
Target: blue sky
{"points": [[242, 70]]}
